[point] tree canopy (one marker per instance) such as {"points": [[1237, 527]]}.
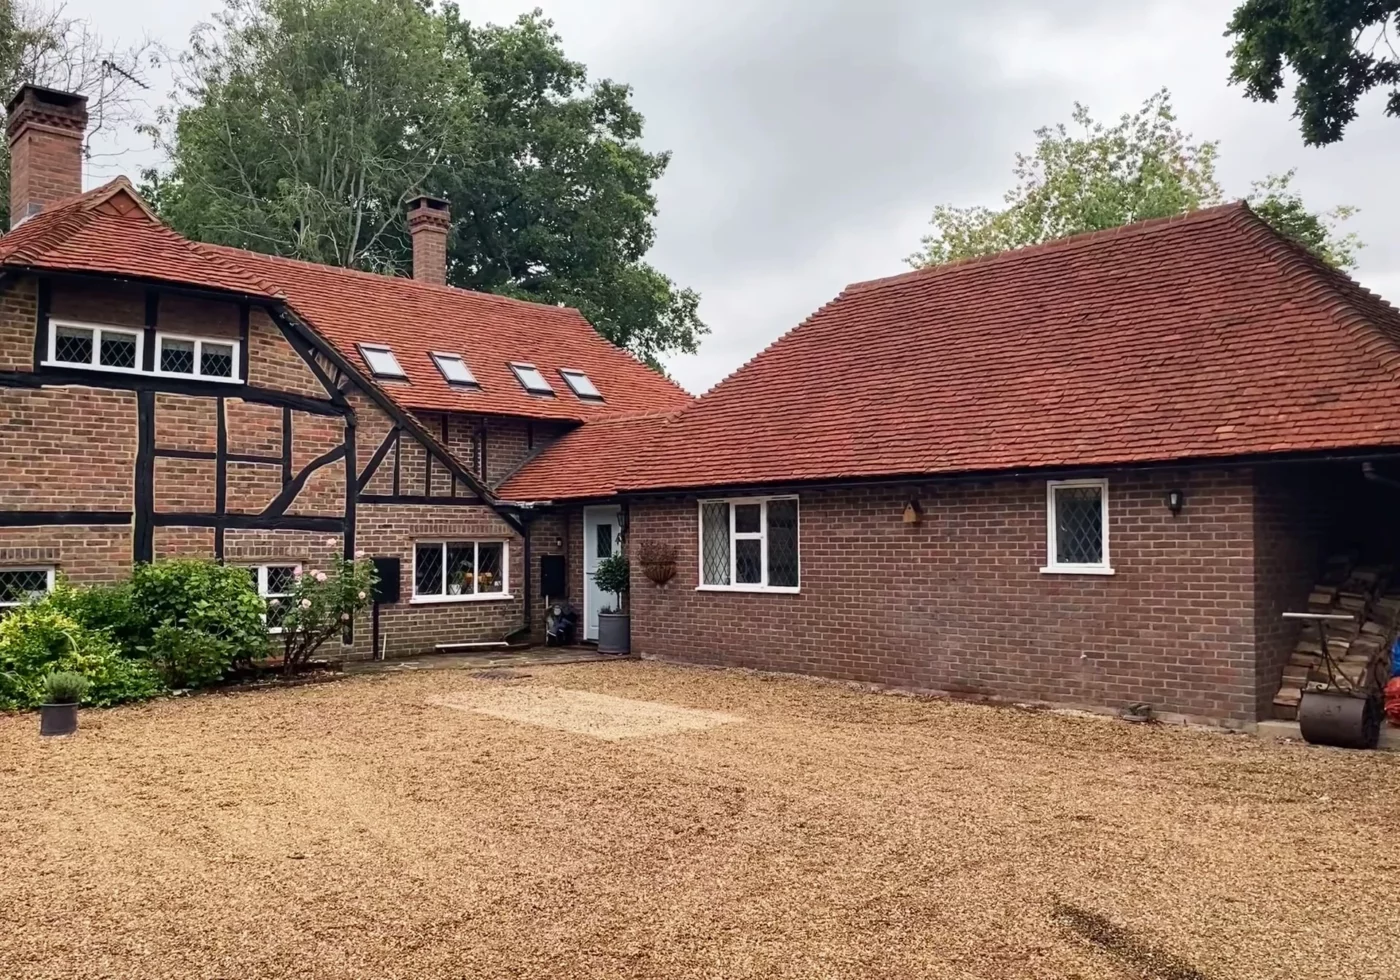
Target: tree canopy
{"points": [[1338, 49], [1105, 175], [302, 127]]}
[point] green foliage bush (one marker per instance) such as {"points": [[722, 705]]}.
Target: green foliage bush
{"points": [[38, 638], [614, 575], [194, 620], [64, 687], [322, 605]]}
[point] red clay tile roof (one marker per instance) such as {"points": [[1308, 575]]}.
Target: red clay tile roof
{"points": [[348, 307], [590, 461], [1198, 337], [109, 231]]}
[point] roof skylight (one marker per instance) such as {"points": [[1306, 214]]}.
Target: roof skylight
{"points": [[455, 369], [381, 360], [531, 379], [581, 384]]}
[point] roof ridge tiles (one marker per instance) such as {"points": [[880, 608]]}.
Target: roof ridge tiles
{"points": [[1069, 242]]}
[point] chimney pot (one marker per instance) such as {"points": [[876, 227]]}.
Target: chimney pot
{"points": [[45, 128], [428, 223]]}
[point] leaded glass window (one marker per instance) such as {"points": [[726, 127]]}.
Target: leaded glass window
{"points": [[1078, 523], [176, 356], [118, 349], [216, 360], [275, 583], [96, 346], [18, 585], [199, 358], [73, 345], [749, 544]]}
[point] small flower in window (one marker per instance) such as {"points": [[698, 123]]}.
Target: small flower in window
{"points": [[274, 603], [320, 576], [306, 603]]}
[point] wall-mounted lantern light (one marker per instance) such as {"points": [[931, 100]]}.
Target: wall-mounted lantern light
{"points": [[1175, 500]]}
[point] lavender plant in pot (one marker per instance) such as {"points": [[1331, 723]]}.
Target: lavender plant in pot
{"points": [[614, 625], [58, 715]]}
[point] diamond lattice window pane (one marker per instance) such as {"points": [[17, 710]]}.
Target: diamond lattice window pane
{"points": [[281, 579], [427, 569], [748, 561], [489, 562], [18, 585], [714, 544], [1078, 525], [461, 569], [782, 542], [177, 356], [118, 350], [216, 360], [73, 345], [604, 540]]}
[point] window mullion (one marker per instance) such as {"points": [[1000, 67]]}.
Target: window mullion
{"points": [[442, 566], [733, 549], [763, 544], [476, 566]]}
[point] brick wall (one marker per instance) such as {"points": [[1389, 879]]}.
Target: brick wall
{"points": [[390, 530], [85, 555], [958, 602], [66, 449]]}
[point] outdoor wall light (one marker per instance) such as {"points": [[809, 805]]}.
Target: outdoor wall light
{"points": [[1175, 498]]}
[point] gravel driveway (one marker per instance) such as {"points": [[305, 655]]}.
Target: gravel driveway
{"points": [[441, 825]]}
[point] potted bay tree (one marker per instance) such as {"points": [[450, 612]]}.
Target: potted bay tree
{"points": [[614, 625]]}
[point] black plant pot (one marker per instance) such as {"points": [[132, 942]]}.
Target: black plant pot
{"points": [[58, 719], [614, 632]]}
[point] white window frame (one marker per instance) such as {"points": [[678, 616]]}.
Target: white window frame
{"points": [[400, 375], [198, 375], [97, 330], [262, 585], [469, 382], [474, 596], [571, 374], [760, 534], [1053, 567], [50, 575]]}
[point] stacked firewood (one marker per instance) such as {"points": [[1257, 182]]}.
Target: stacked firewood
{"points": [[1358, 650]]}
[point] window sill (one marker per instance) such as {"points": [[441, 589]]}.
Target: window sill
{"points": [[779, 589], [1077, 570], [109, 369], [429, 600]]}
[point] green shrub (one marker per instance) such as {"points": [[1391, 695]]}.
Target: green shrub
{"points": [[321, 606], [216, 606], [38, 638], [97, 607], [614, 575], [64, 687], [188, 657]]}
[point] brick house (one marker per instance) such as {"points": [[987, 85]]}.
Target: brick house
{"points": [[1090, 472], [161, 397]]}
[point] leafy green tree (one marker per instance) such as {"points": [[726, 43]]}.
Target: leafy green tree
{"points": [[39, 43], [1103, 176], [1339, 50], [304, 126]]}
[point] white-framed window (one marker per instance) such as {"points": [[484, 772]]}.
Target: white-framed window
{"points": [[531, 379], [275, 584], [749, 544], [95, 346], [1076, 521], [454, 370], [19, 585], [381, 361], [581, 384], [457, 571], [205, 358]]}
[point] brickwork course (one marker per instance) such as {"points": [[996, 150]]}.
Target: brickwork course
{"points": [[1220, 385]]}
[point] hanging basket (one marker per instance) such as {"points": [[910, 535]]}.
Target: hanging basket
{"points": [[658, 561]]}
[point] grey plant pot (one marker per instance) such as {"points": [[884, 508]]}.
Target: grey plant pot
{"points": [[614, 633], [58, 719]]}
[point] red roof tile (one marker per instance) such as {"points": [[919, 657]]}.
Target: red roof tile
{"points": [[109, 231], [1197, 337], [590, 461], [414, 318]]}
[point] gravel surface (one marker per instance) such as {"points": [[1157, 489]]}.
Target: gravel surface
{"points": [[358, 829]]}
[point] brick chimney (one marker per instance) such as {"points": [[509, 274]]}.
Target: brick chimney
{"points": [[45, 128], [428, 222]]}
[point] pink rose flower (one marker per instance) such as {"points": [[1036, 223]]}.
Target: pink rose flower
{"points": [[344, 617], [306, 603], [274, 602], [360, 554], [362, 595], [331, 542], [320, 576]]}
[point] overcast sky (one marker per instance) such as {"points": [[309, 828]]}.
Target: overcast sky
{"points": [[811, 138]]}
